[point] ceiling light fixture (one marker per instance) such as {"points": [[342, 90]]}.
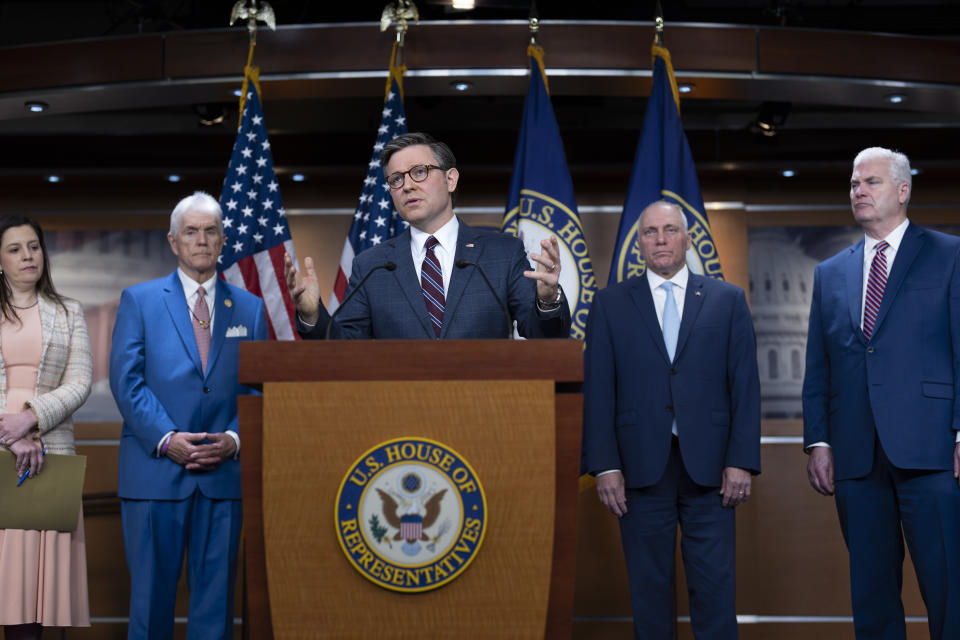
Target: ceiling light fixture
{"points": [[770, 118], [35, 106], [173, 178], [53, 178], [461, 85], [788, 173], [895, 98], [686, 87], [464, 5], [298, 177]]}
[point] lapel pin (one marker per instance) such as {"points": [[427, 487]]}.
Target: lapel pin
{"points": [[696, 293], [229, 302], [469, 246]]}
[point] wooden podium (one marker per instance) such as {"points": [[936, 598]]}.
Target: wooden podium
{"points": [[511, 409]]}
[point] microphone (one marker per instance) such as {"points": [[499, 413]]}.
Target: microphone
{"points": [[389, 265], [463, 263]]}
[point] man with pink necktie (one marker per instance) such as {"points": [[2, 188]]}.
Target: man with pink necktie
{"points": [[881, 402], [173, 373]]}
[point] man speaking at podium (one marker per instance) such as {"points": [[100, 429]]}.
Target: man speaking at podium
{"points": [[441, 278]]}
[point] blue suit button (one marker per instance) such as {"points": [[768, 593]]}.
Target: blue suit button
{"points": [[870, 349], [669, 408], [206, 389], [673, 372]]}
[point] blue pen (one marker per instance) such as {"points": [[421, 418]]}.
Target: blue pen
{"points": [[27, 472]]}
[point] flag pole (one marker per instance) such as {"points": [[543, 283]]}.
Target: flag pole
{"points": [[252, 11]]}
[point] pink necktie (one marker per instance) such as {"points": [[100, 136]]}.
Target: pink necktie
{"points": [[876, 283], [201, 326]]}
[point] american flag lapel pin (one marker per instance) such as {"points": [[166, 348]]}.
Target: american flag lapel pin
{"points": [[229, 302]]}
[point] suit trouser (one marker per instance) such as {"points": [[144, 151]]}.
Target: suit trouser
{"points": [[872, 510], [708, 537], [156, 533]]}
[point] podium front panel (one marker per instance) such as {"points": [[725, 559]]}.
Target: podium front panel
{"points": [[314, 432]]}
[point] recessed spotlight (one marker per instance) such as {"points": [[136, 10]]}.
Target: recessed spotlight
{"points": [[461, 85], [35, 106], [237, 92], [464, 5], [173, 178], [914, 171], [895, 98], [788, 173], [298, 177], [686, 87], [53, 178]]}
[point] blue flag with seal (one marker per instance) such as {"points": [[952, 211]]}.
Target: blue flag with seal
{"points": [[663, 170], [541, 201]]}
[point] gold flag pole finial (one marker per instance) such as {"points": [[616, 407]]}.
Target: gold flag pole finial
{"points": [[398, 14], [252, 11], [658, 26]]}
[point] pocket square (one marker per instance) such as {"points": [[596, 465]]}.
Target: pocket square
{"points": [[238, 331]]}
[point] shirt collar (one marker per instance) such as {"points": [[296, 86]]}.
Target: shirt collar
{"points": [[190, 285], [445, 235], [679, 279], [894, 238]]}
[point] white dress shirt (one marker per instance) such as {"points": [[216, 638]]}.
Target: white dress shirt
{"points": [[894, 239], [679, 280], [445, 251]]}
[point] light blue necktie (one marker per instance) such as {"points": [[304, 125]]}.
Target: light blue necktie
{"points": [[671, 320]]}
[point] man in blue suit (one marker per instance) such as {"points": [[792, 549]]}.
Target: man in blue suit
{"points": [[173, 373], [435, 285], [881, 402], [671, 426]]}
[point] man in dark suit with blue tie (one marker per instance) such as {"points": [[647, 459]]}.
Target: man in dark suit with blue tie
{"points": [[428, 282], [173, 373], [672, 426], [881, 402]]}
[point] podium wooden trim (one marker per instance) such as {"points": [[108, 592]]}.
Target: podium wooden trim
{"points": [[557, 360]]}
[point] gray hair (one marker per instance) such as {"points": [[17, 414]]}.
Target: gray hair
{"points": [[899, 163], [200, 201], [667, 203], [440, 150]]}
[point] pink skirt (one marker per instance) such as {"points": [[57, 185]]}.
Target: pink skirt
{"points": [[43, 577]]}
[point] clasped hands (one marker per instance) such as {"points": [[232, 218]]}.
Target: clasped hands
{"points": [[14, 428], [188, 450]]}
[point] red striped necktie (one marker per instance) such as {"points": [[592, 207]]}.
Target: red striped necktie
{"points": [[876, 283], [431, 282]]}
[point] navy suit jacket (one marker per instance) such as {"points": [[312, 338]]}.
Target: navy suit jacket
{"points": [[632, 391], [904, 383], [391, 306], [159, 385]]}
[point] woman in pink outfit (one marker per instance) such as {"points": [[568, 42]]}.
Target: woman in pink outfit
{"points": [[45, 374]]}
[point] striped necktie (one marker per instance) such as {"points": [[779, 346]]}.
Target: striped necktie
{"points": [[201, 326], [431, 282], [876, 283]]}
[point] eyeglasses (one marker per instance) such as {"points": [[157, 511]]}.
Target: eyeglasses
{"points": [[417, 173]]}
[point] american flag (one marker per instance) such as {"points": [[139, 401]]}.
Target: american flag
{"points": [[254, 221], [375, 219]]}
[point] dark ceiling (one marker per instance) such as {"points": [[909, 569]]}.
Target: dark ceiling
{"points": [[600, 131], [29, 21]]}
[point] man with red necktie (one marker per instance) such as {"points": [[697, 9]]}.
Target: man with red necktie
{"points": [[881, 402]]}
